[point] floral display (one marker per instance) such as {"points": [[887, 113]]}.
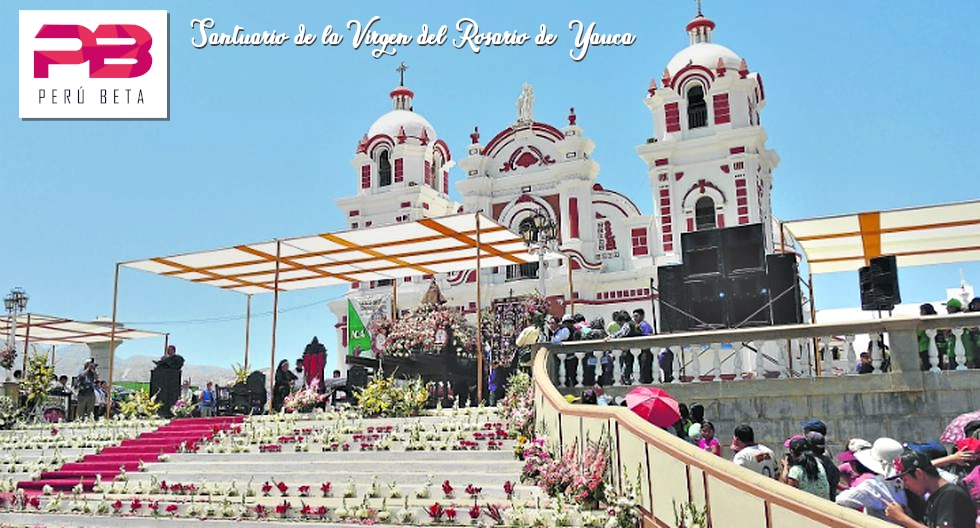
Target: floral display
{"points": [[388, 397], [8, 412], [417, 332], [241, 374], [517, 407], [38, 378], [8, 355], [139, 405], [304, 400], [184, 408]]}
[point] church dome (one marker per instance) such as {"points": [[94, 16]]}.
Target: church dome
{"points": [[703, 54], [402, 119], [392, 123]]}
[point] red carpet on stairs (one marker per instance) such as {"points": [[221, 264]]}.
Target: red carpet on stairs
{"points": [[129, 453]]}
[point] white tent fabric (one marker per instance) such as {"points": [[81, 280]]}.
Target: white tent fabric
{"points": [[49, 330], [424, 247], [917, 236]]}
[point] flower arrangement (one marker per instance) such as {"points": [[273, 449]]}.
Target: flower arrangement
{"points": [[38, 378], [517, 407], [139, 405], [384, 397], [184, 408], [416, 332], [241, 373], [8, 355], [305, 400], [8, 412]]}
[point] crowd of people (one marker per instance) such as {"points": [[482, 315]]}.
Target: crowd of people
{"points": [[946, 340], [910, 484]]}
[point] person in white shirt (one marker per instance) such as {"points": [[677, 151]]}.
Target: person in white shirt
{"points": [[751, 455]]}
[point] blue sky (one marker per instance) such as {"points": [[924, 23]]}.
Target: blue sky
{"points": [[870, 106]]}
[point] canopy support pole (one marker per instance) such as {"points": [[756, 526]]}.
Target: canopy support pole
{"points": [[394, 299], [571, 289], [479, 320], [275, 321], [248, 323], [52, 356], [112, 341], [166, 342], [27, 341]]}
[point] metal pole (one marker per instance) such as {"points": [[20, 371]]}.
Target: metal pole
{"points": [[541, 268], [166, 342], [27, 340], [275, 321], [479, 319], [813, 319], [248, 322], [112, 340], [571, 289], [394, 299], [52, 357]]}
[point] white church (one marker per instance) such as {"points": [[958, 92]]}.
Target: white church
{"points": [[708, 168]]}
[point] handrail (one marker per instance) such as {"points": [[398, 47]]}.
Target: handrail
{"points": [[770, 333], [772, 493]]}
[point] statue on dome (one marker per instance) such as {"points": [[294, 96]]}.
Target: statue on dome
{"points": [[525, 105]]}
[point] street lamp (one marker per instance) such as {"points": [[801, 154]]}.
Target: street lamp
{"points": [[15, 302], [540, 233]]}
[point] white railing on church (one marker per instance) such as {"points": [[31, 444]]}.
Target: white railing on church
{"points": [[779, 352]]}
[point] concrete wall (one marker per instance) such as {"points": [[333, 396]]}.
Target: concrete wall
{"points": [[907, 406]]}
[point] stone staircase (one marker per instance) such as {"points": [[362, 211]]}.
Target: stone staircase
{"points": [[273, 470]]}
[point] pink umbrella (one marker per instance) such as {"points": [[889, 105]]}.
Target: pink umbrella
{"points": [[654, 405], [954, 431]]}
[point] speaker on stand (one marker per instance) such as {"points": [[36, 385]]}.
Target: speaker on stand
{"points": [[673, 299], [784, 289]]}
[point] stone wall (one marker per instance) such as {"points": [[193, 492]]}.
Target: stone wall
{"points": [[907, 406]]}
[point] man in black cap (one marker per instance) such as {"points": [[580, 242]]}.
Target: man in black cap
{"points": [[949, 505]]}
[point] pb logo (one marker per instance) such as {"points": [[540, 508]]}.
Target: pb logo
{"points": [[94, 64], [101, 49]]}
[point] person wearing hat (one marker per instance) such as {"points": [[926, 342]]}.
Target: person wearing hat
{"points": [[566, 332], [948, 505], [851, 471], [872, 495], [86, 380], [925, 310], [814, 425]]}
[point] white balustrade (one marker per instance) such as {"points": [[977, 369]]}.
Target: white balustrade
{"points": [[561, 369], [960, 350], [579, 371], [785, 352], [716, 362], [760, 360], [875, 351], [826, 359], [933, 350], [617, 368], [696, 362], [636, 367], [678, 364], [851, 356], [737, 361]]}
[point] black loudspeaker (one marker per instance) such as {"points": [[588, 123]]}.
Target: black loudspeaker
{"points": [[783, 273], [702, 253], [357, 377], [673, 299], [747, 296], [743, 249], [879, 284], [706, 300]]}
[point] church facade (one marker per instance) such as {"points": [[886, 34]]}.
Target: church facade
{"points": [[708, 167]]}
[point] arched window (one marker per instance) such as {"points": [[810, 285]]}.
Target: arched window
{"points": [[384, 169], [697, 109], [704, 213], [436, 169]]}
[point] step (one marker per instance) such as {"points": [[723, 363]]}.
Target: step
{"points": [[75, 474], [119, 459], [99, 466], [138, 450]]}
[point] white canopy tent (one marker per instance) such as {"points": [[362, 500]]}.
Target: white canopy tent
{"points": [[51, 330], [424, 247], [917, 236]]}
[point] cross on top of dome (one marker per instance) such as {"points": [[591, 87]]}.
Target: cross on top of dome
{"points": [[401, 73]]}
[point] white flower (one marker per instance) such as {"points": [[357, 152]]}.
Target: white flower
{"points": [[47, 490]]}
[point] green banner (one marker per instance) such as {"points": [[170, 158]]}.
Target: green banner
{"points": [[358, 339]]}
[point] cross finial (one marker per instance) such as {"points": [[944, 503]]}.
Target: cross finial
{"points": [[698, 2], [401, 73]]}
